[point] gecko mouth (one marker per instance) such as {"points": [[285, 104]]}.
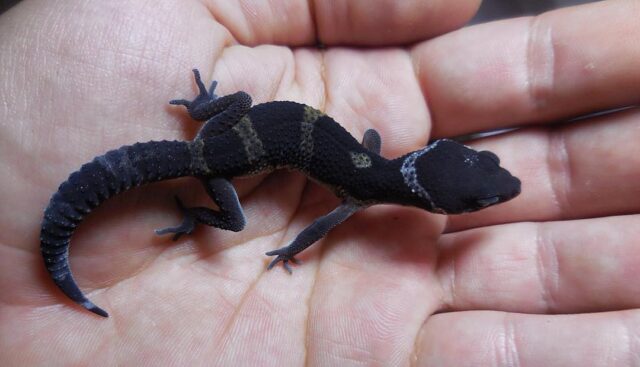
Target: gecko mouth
{"points": [[488, 201]]}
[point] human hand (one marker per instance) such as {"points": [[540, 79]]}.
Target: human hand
{"points": [[383, 288]]}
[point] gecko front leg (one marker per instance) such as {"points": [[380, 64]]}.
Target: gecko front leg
{"points": [[318, 229], [321, 226]]}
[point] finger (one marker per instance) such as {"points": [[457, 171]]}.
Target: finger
{"points": [[580, 170], [560, 64], [484, 338], [555, 267], [378, 22], [388, 22]]}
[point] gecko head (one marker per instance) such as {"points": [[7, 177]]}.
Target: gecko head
{"points": [[451, 178]]}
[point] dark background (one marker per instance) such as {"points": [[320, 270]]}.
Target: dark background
{"points": [[499, 9]]}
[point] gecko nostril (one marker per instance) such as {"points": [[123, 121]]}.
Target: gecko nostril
{"points": [[517, 186]]}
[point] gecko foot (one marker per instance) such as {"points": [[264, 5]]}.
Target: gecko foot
{"points": [[204, 95], [197, 108], [284, 257], [186, 227]]}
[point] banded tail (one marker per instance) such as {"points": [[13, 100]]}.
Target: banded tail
{"points": [[106, 175]]}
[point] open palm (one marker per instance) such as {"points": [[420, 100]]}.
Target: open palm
{"points": [[392, 285]]}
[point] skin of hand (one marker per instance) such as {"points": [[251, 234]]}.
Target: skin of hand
{"points": [[548, 279]]}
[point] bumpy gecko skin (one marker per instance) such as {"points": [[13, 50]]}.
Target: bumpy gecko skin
{"points": [[237, 140]]}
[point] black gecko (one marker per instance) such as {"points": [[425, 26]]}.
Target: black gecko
{"points": [[237, 140]]}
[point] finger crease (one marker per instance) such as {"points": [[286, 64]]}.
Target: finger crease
{"points": [[415, 65], [540, 63], [311, 4], [547, 266], [631, 335], [448, 282], [511, 357], [559, 170]]}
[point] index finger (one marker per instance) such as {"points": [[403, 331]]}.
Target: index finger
{"points": [[558, 65]]}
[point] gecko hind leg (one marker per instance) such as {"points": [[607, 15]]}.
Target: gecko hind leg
{"points": [[186, 227], [318, 229], [221, 113], [203, 97], [229, 217]]}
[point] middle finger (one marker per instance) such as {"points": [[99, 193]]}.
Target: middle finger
{"points": [[579, 170]]}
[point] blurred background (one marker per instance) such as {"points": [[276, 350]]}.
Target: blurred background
{"points": [[500, 9], [490, 9]]}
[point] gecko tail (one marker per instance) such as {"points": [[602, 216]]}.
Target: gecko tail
{"points": [[70, 288], [106, 175], [95, 309]]}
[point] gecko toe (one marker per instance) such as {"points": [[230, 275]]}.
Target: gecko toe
{"points": [[186, 227], [180, 102], [287, 267], [284, 258], [212, 90]]}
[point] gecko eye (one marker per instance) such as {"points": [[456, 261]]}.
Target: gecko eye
{"points": [[490, 155]]}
